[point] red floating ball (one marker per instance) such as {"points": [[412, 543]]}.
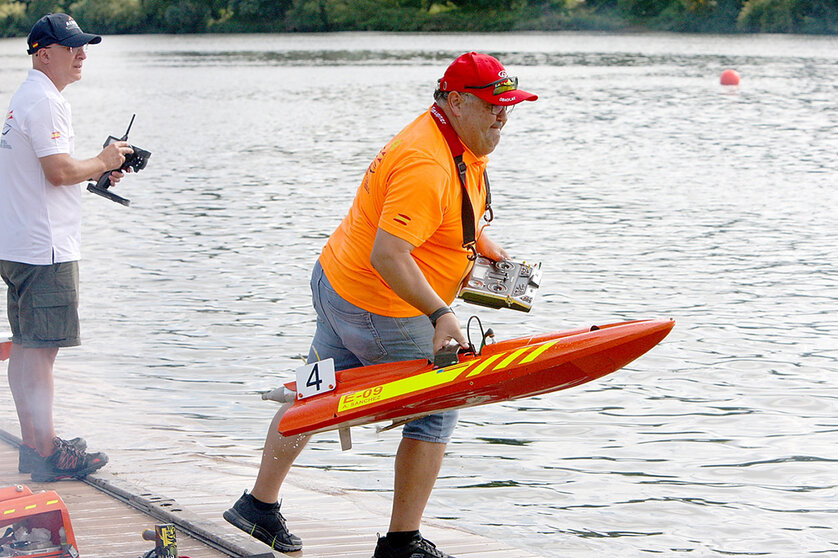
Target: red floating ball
{"points": [[730, 77]]}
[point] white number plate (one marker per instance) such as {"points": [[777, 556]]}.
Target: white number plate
{"points": [[316, 378]]}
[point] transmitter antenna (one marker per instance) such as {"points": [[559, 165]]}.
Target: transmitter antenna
{"points": [[125, 137]]}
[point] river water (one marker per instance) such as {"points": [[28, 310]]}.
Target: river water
{"points": [[646, 188]]}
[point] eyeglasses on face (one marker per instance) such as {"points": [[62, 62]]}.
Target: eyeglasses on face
{"points": [[73, 50], [497, 109], [494, 109]]}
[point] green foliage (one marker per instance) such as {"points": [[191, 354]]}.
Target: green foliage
{"points": [[789, 16], [687, 15], [18, 17], [197, 16], [186, 16], [180, 16], [371, 15], [154, 12], [13, 20], [259, 10], [36, 9], [311, 15], [495, 5], [820, 16], [767, 15], [108, 16], [400, 15], [724, 16], [600, 15], [638, 10], [598, 5]]}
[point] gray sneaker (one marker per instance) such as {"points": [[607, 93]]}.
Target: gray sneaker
{"points": [[67, 462], [29, 458], [266, 525], [418, 547]]}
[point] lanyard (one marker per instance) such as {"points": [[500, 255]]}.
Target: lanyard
{"points": [[457, 150]]}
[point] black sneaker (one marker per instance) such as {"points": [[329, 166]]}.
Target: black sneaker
{"points": [[28, 458], [418, 547], [266, 525], [67, 462]]}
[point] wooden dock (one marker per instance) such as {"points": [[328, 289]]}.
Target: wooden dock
{"points": [[108, 517]]}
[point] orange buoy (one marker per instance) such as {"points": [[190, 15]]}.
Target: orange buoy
{"points": [[730, 77]]}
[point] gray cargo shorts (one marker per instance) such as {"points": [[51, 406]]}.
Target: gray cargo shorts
{"points": [[42, 303]]}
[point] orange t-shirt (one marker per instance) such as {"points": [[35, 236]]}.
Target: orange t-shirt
{"points": [[412, 191]]}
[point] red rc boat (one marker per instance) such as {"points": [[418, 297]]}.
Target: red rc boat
{"points": [[502, 371]]}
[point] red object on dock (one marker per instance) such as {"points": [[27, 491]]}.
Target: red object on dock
{"points": [[511, 369], [20, 508], [5, 349]]}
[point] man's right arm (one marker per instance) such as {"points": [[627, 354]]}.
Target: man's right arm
{"points": [[62, 170], [391, 258]]}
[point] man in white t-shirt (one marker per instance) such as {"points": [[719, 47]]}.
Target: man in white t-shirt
{"points": [[40, 229]]}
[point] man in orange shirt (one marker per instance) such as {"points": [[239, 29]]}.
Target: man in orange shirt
{"points": [[384, 280]]}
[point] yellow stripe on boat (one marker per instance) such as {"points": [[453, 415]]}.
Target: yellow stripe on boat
{"points": [[508, 360], [400, 387], [536, 353], [483, 365]]}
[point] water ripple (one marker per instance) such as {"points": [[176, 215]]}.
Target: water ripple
{"points": [[645, 188]]}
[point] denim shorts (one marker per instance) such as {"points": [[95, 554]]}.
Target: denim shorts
{"points": [[42, 303], [354, 337]]}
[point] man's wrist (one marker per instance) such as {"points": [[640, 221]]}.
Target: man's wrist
{"points": [[438, 313]]}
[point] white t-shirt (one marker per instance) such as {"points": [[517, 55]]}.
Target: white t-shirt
{"points": [[40, 224]]}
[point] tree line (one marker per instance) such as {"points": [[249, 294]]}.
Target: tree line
{"points": [[259, 16]]}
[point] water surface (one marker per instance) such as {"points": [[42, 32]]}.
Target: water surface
{"points": [[646, 188]]}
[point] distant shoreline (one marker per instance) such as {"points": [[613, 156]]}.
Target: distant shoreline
{"points": [[115, 17]]}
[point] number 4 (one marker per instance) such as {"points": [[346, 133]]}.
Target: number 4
{"points": [[316, 378]]}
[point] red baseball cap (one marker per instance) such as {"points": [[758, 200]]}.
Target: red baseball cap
{"points": [[482, 75]]}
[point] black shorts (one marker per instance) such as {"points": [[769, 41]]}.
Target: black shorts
{"points": [[43, 303]]}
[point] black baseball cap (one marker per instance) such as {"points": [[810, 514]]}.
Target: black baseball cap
{"points": [[58, 29]]}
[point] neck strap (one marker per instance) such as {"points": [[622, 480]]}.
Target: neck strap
{"points": [[457, 150]]}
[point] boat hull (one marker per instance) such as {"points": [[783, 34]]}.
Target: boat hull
{"points": [[507, 370]]}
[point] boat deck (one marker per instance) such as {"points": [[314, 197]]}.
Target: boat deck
{"points": [[108, 517]]}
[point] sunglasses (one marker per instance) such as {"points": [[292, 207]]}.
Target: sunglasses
{"points": [[500, 86]]}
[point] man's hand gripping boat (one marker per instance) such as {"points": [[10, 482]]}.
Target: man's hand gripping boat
{"points": [[511, 369]]}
